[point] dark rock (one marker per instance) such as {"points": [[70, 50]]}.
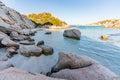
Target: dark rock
{"points": [[48, 32], [5, 65], [47, 50], [72, 33], [40, 43], [26, 42], [30, 50]]}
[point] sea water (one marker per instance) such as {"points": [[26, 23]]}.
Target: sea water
{"points": [[90, 44]]}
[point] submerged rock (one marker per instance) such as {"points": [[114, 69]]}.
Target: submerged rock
{"points": [[48, 32], [46, 50], [72, 33], [17, 74], [81, 68], [30, 50]]}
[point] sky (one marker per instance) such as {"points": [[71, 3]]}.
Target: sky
{"points": [[72, 11]]}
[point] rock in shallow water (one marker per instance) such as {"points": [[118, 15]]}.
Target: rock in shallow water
{"points": [[17, 74], [73, 67], [26, 42], [30, 50], [15, 36], [46, 50], [9, 43], [72, 33], [40, 43]]}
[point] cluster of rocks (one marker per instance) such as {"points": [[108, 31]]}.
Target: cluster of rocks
{"points": [[15, 35], [79, 67]]}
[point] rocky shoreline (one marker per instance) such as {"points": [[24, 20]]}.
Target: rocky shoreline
{"points": [[21, 51]]}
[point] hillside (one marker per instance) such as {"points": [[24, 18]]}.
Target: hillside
{"points": [[114, 23], [43, 18]]}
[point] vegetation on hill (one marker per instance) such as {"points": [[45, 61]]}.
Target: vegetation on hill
{"points": [[46, 18], [114, 23]]}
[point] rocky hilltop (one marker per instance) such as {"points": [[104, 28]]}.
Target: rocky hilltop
{"points": [[12, 20], [114, 23], [46, 18]]}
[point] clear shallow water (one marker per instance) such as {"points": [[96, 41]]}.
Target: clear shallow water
{"points": [[106, 52]]}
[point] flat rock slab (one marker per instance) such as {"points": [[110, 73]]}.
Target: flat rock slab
{"points": [[17, 74]]}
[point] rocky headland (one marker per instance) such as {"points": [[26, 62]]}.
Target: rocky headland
{"points": [[113, 23]]}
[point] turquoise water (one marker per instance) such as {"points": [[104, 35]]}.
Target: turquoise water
{"points": [[106, 52]]}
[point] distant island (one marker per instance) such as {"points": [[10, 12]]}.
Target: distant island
{"points": [[113, 23], [46, 18]]}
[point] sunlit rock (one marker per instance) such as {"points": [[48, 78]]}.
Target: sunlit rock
{"points": [[104, 37]]}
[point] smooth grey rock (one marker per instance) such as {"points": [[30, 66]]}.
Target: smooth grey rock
{"points": [[15, 36], [69, 60], [72, 33], [30, 50], [93, 72], [9, 43], [18, 74], [79, 67]]}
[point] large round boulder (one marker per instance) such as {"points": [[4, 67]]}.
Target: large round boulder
{"points": [[77, 67], [71, 61], [72, 33], [30, 50]]}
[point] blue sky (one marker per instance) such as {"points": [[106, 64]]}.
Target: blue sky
{"points": [[71, 11]]}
